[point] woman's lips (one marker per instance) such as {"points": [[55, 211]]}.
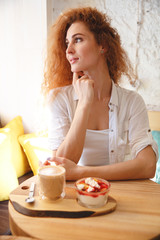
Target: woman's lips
{"points": [[73, 60]]}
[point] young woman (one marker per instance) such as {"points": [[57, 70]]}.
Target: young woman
{"points": [[96, 128]]}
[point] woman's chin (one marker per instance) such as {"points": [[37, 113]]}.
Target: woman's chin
{"points": [[76, 69]]}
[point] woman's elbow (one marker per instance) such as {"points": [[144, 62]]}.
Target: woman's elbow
{"points": [[152, 169], [148, 160]]}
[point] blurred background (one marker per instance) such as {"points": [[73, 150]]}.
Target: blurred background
{"points": [[23, 32]]}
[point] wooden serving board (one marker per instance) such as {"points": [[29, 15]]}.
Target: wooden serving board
{"points": [[66, 207]]}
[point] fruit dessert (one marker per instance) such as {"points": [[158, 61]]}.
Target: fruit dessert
{"points": [[92, 192]]}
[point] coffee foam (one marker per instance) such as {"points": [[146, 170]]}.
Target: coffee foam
{"points": [[51, 171]]}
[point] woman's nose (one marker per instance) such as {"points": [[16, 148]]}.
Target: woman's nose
{"points": [[70, 48]]}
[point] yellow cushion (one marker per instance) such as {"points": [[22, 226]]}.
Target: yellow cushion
{"points": [[15, 129], [36, 148], [8, 177]]}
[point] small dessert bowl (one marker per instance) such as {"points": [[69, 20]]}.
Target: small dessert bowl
{"points": [[92, 192]]}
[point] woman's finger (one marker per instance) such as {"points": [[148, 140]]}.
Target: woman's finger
{"points": [[57, 160], [80, 74], [75, 77]]}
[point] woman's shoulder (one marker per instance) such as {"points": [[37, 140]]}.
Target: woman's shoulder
{"points": [[61, 90], [62, 93], [130, 98], [128, 93]]}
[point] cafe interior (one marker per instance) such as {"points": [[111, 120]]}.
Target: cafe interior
{"points": [[132, 210]]}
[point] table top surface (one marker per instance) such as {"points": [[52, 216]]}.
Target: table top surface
{"points": [[137, 216], [8, 237]]}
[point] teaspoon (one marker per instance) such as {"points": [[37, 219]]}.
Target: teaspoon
{"points": [[30, 198]]}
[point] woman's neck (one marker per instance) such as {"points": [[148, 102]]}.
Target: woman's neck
{"points": [[102, 82]]}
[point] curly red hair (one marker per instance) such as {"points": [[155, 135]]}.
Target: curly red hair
{"points": [[57, 68]]}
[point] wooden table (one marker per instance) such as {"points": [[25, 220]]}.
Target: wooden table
{"points": [[8, 237], [137, 216]]}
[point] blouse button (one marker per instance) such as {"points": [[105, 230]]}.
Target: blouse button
{"points": [[149, 130], [112, 151], [111, 110]]}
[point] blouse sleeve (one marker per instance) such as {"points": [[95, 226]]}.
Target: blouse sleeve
{"points": [[58, 121], [140, 135]]}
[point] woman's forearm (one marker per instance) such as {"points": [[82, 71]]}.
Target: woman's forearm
{"points": [[72, 146], [118, 171], [143, 166]]}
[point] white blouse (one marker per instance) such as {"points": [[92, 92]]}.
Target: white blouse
{"points": [[129, 130]]}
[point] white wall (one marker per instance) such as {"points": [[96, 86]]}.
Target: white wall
{"points": [[22, 42], [138, 23]]}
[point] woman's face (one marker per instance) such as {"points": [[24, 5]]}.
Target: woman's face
{"points": [[82, 51]]}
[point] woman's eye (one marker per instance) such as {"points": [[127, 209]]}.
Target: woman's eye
{"points": [[77, 40], [67, 44]]}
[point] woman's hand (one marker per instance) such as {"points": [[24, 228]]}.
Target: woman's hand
{"points": [[72, 169], [84, 87]]}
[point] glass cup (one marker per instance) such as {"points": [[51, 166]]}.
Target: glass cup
{"points": [[95, 198], [51, 182]]}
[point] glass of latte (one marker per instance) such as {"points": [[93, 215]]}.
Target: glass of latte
{"points": [[51, 182]]}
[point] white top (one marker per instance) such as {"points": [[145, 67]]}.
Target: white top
{"points": [[129, 130], [96, 148]]}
